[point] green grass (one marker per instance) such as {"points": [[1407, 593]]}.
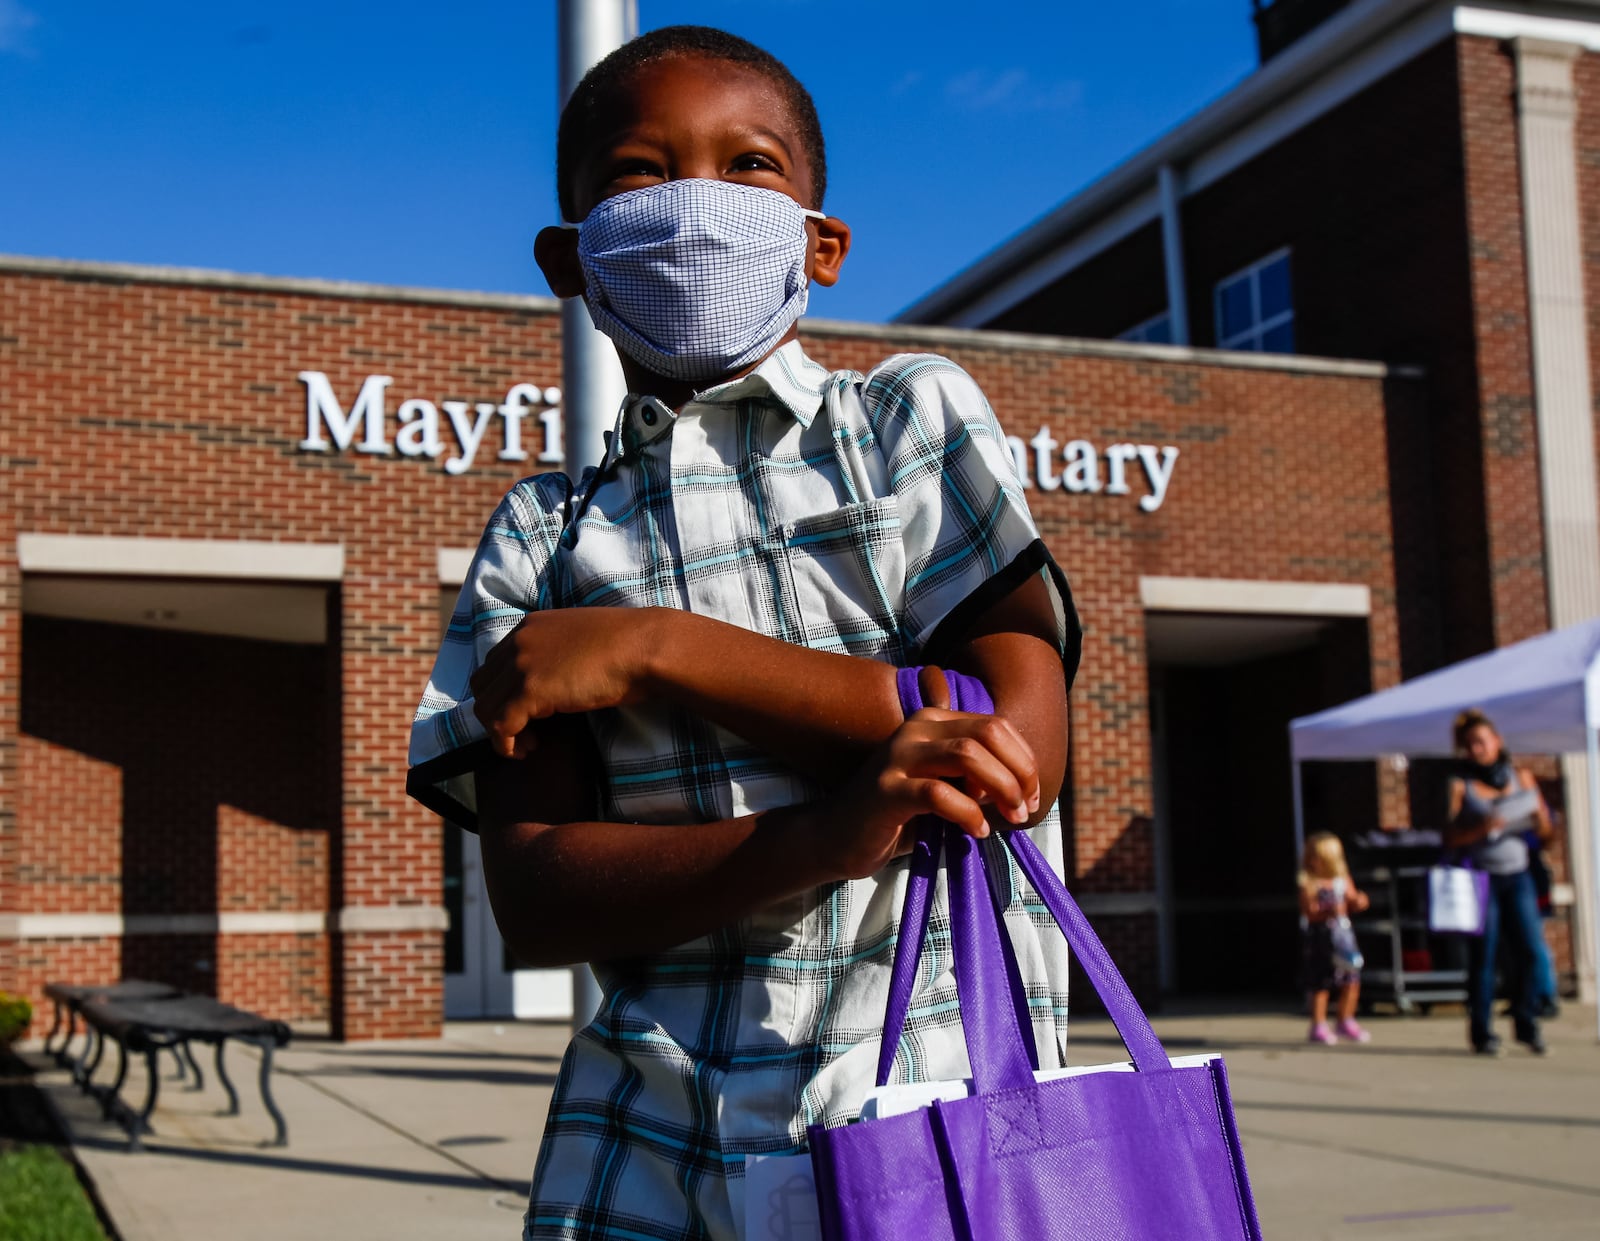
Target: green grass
{"points": [[41, 1199]]}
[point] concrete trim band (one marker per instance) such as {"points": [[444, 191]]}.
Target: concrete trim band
{"points": [[1215, 594], [151, 557], [265, 922]]}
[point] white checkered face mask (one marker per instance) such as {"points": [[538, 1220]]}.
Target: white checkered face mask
{"points": [[695, 278]]}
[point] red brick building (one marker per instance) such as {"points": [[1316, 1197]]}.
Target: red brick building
{"points": [[237, 509], [1406, 181]]}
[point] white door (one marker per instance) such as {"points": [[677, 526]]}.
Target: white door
{"points": [[480, 979]]}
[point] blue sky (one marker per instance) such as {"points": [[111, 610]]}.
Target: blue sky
{"points": [[409, 143]]}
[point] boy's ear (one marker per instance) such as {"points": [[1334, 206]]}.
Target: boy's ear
{"points": [[833, 243], [556, 251]]}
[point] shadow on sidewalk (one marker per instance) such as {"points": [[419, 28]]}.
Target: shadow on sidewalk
{"points": [[322, 1167], [484, 1077], [1419, 1113], [1182, 1045]]}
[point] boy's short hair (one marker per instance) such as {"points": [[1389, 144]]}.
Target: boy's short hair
{"points": [[575, 132]]}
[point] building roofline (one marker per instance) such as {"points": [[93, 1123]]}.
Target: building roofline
{"points": [[1342, 37], [935, 336], [894, 333], [205, 277]]}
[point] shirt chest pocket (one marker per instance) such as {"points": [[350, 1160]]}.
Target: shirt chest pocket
{"points": [[846, 571]]}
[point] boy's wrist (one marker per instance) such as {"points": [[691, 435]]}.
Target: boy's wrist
{"points": [[794, 841], [658, 652]]}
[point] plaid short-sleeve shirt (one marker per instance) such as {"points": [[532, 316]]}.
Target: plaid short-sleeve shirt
{"points": [[842, 512]]}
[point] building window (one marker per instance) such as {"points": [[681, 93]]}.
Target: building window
{"points": [[1254, 309], [1153, 331]]}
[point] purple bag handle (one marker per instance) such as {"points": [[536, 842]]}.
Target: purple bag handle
{"points": [[999, 1043], [970, 900]]}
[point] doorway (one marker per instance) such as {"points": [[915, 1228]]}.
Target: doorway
{"points": [[1223, 689]]}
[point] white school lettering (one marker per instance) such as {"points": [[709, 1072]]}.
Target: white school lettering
{"points": [[1044, 447], [1083, 467], [550, 419], [419, 430], [323, 409], [1082, 463], [1117, 458], [514, 409], [419, 434], [468, 434], [1158, 471], [1019, 459]]}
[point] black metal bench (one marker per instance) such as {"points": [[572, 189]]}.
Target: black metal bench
{"points": [[146, 1019], [69, 999]]}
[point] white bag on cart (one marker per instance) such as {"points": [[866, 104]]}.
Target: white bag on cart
{"points": [[1457, 897]]}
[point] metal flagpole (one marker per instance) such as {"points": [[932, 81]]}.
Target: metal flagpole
{"points": [[592, 384], [1591, 736], [592, 381]]}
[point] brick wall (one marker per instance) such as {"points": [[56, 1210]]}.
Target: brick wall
{"points": [[1504, 348], [170, 410], [156, 774]]}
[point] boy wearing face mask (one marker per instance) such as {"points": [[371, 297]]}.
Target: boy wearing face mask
{"points": [[667, 699]]}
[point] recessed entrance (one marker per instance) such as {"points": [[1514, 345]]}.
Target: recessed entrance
{"points": [[180, 765], [1223, 689]]}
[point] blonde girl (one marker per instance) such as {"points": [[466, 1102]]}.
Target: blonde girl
{"points": [[1332, 960]]}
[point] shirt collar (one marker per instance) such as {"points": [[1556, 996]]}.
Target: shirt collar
{"points": [[787, 376]]}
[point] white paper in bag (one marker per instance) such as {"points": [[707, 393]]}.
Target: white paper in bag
{"points": [[780, 1199]]}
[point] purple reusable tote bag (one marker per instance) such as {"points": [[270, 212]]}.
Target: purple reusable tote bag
{"points": [[1148, 1154]]}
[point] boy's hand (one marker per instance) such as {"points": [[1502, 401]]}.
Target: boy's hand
{"points": [[938, 762], [563, 661]]}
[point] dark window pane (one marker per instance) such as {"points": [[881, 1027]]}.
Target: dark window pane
{"points": [[1234, 310], [1159, 331], [1274, 278], [1279, 339]]}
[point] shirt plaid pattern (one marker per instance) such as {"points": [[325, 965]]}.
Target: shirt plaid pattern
{"points": [[836, 511]]}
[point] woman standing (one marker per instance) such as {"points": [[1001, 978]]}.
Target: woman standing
{"points": [[1492, 805]]}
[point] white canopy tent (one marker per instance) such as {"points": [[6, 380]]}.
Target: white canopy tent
{"points": [[1542, 694]]}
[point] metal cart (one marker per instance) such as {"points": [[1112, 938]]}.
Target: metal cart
{"points": [[1407, 965]]}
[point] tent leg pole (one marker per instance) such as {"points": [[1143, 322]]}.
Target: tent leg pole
{"points": [[1592, 739]]}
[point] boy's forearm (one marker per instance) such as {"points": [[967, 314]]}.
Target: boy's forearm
{"points": [[822, 712], [596, 891]]}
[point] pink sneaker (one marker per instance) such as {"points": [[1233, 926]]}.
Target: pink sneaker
{"points": [[1321, 1034], [1350, 1030]]}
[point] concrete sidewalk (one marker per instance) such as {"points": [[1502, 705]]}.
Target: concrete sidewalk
{"points": [[1408, 1137]]}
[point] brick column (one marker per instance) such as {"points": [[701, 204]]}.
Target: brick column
{"points": [[388, 947]]}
